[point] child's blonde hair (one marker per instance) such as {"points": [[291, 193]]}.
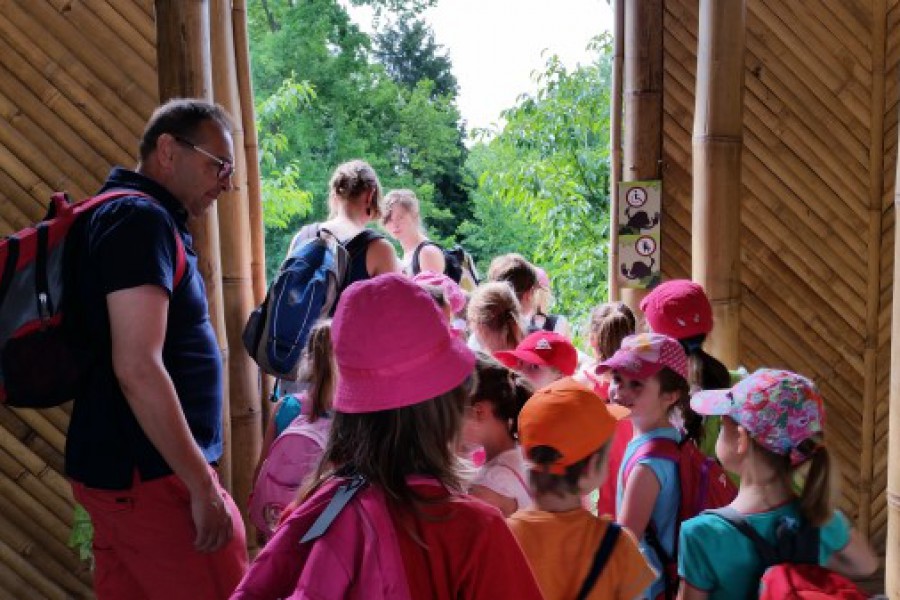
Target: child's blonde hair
{"points": [[319, 369], [350, 181], [494, 306], [611, 323]]}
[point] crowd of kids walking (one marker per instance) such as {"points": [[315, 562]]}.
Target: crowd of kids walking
{"points": [[451, 443]]}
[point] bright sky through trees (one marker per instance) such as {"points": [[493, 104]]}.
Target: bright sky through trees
{"points": [[495, 45]]}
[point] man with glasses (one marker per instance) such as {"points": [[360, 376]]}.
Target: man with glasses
{"points": [[146, 429]]}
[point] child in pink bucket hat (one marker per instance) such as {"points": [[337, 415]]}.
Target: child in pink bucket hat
{"points": [[773, 422], [385, 516]]}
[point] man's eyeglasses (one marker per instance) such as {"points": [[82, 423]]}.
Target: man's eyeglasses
{"points": [[226, 168]]}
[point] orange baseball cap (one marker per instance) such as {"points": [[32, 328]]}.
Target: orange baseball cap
{"points": [[569, 418]]}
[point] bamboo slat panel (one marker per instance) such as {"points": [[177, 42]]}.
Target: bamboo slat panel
{"points": [[77, 83], [820, 145]]}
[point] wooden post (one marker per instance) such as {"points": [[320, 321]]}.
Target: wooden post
{"points": [[237, 289], [873, 275], [643, 82], [892, 493], [718, 140], [615, 142], [251, 152], [182, 32]]}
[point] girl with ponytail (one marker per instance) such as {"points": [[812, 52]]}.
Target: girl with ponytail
{"points": [[772, 426]]}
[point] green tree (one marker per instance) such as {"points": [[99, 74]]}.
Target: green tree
{"points": [[410, 135], [549, 168]]}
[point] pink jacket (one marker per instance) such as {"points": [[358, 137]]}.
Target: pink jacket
{"points": [[358, 557]]}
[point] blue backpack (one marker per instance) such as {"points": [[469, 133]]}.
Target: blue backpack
{"points": [[306, 288]]}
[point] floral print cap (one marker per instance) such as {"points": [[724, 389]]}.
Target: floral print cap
{"points": [[782, 411], [644, 355]]}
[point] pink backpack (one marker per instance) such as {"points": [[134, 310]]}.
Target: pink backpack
{"points": [[340, 543], [293, 456]]}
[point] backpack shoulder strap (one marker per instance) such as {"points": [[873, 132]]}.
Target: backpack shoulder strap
{"points": [[338, 502], [361, 241], [414, 264], [550, 322], [663, 448], [604, 552], [767, 552], [115, 193]]}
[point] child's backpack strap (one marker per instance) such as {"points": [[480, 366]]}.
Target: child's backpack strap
{"points": [[338, 502], [663, 448], [604, 552], [795, 542]]}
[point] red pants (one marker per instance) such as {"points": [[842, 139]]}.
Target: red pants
{"points": [[144, 544]]}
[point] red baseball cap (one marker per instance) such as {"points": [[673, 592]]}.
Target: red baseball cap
{"points": [[545, 348], [678, 308]]}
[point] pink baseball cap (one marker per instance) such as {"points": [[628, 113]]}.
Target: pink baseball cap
{"points": [[644, 355], [545, 348], [392, 347], [452, 292], [782, 411], [678, 308]]}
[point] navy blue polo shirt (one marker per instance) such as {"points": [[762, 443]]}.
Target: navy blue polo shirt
{"points": [[126, 243]]}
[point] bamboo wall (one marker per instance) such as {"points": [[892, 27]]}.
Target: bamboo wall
{"points": [[817, 219], [77, 83]]}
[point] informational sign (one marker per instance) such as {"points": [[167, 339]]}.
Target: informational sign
{"points": [[639, 214]]}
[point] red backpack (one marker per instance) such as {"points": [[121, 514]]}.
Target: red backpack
{"points": [[703, 483], [792, 570], [39, 366]]}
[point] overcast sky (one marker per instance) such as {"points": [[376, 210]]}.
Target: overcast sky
{"points": [[495, 45]]}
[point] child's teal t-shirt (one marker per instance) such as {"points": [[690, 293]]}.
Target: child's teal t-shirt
{"points": [[715, 557], [665, 510]]}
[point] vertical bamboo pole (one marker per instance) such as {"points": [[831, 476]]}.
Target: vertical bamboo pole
{"points": [[643, 83], [873, 287], [615, 142], [892, 494], [182, 33], [237, 288], [251, 148], [718, 139]]}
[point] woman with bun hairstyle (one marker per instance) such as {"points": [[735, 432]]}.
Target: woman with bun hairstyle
{"points": [[354, 201], [386, 516]]}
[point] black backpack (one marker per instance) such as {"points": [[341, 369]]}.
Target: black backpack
{"points": [[458, 265]]}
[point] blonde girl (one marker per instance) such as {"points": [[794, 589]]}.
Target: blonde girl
{"points": [[649, 377], [403, 221], [491, 422], [284, 466], [772, 425], [611, 323], [495, 318], [354, 201]]}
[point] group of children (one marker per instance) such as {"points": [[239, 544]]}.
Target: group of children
{"points": [[526, 469]]}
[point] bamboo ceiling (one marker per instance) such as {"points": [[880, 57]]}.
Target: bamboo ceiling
{"points": [[817, 219]]}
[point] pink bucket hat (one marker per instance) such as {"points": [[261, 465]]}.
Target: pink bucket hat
{"points": [[678, 308], [644, 355], [782, 411], [392, 347], [456, 298]]}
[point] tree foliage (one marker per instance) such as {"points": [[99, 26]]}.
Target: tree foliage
{"points": [[546, 172], [349, 107]]}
